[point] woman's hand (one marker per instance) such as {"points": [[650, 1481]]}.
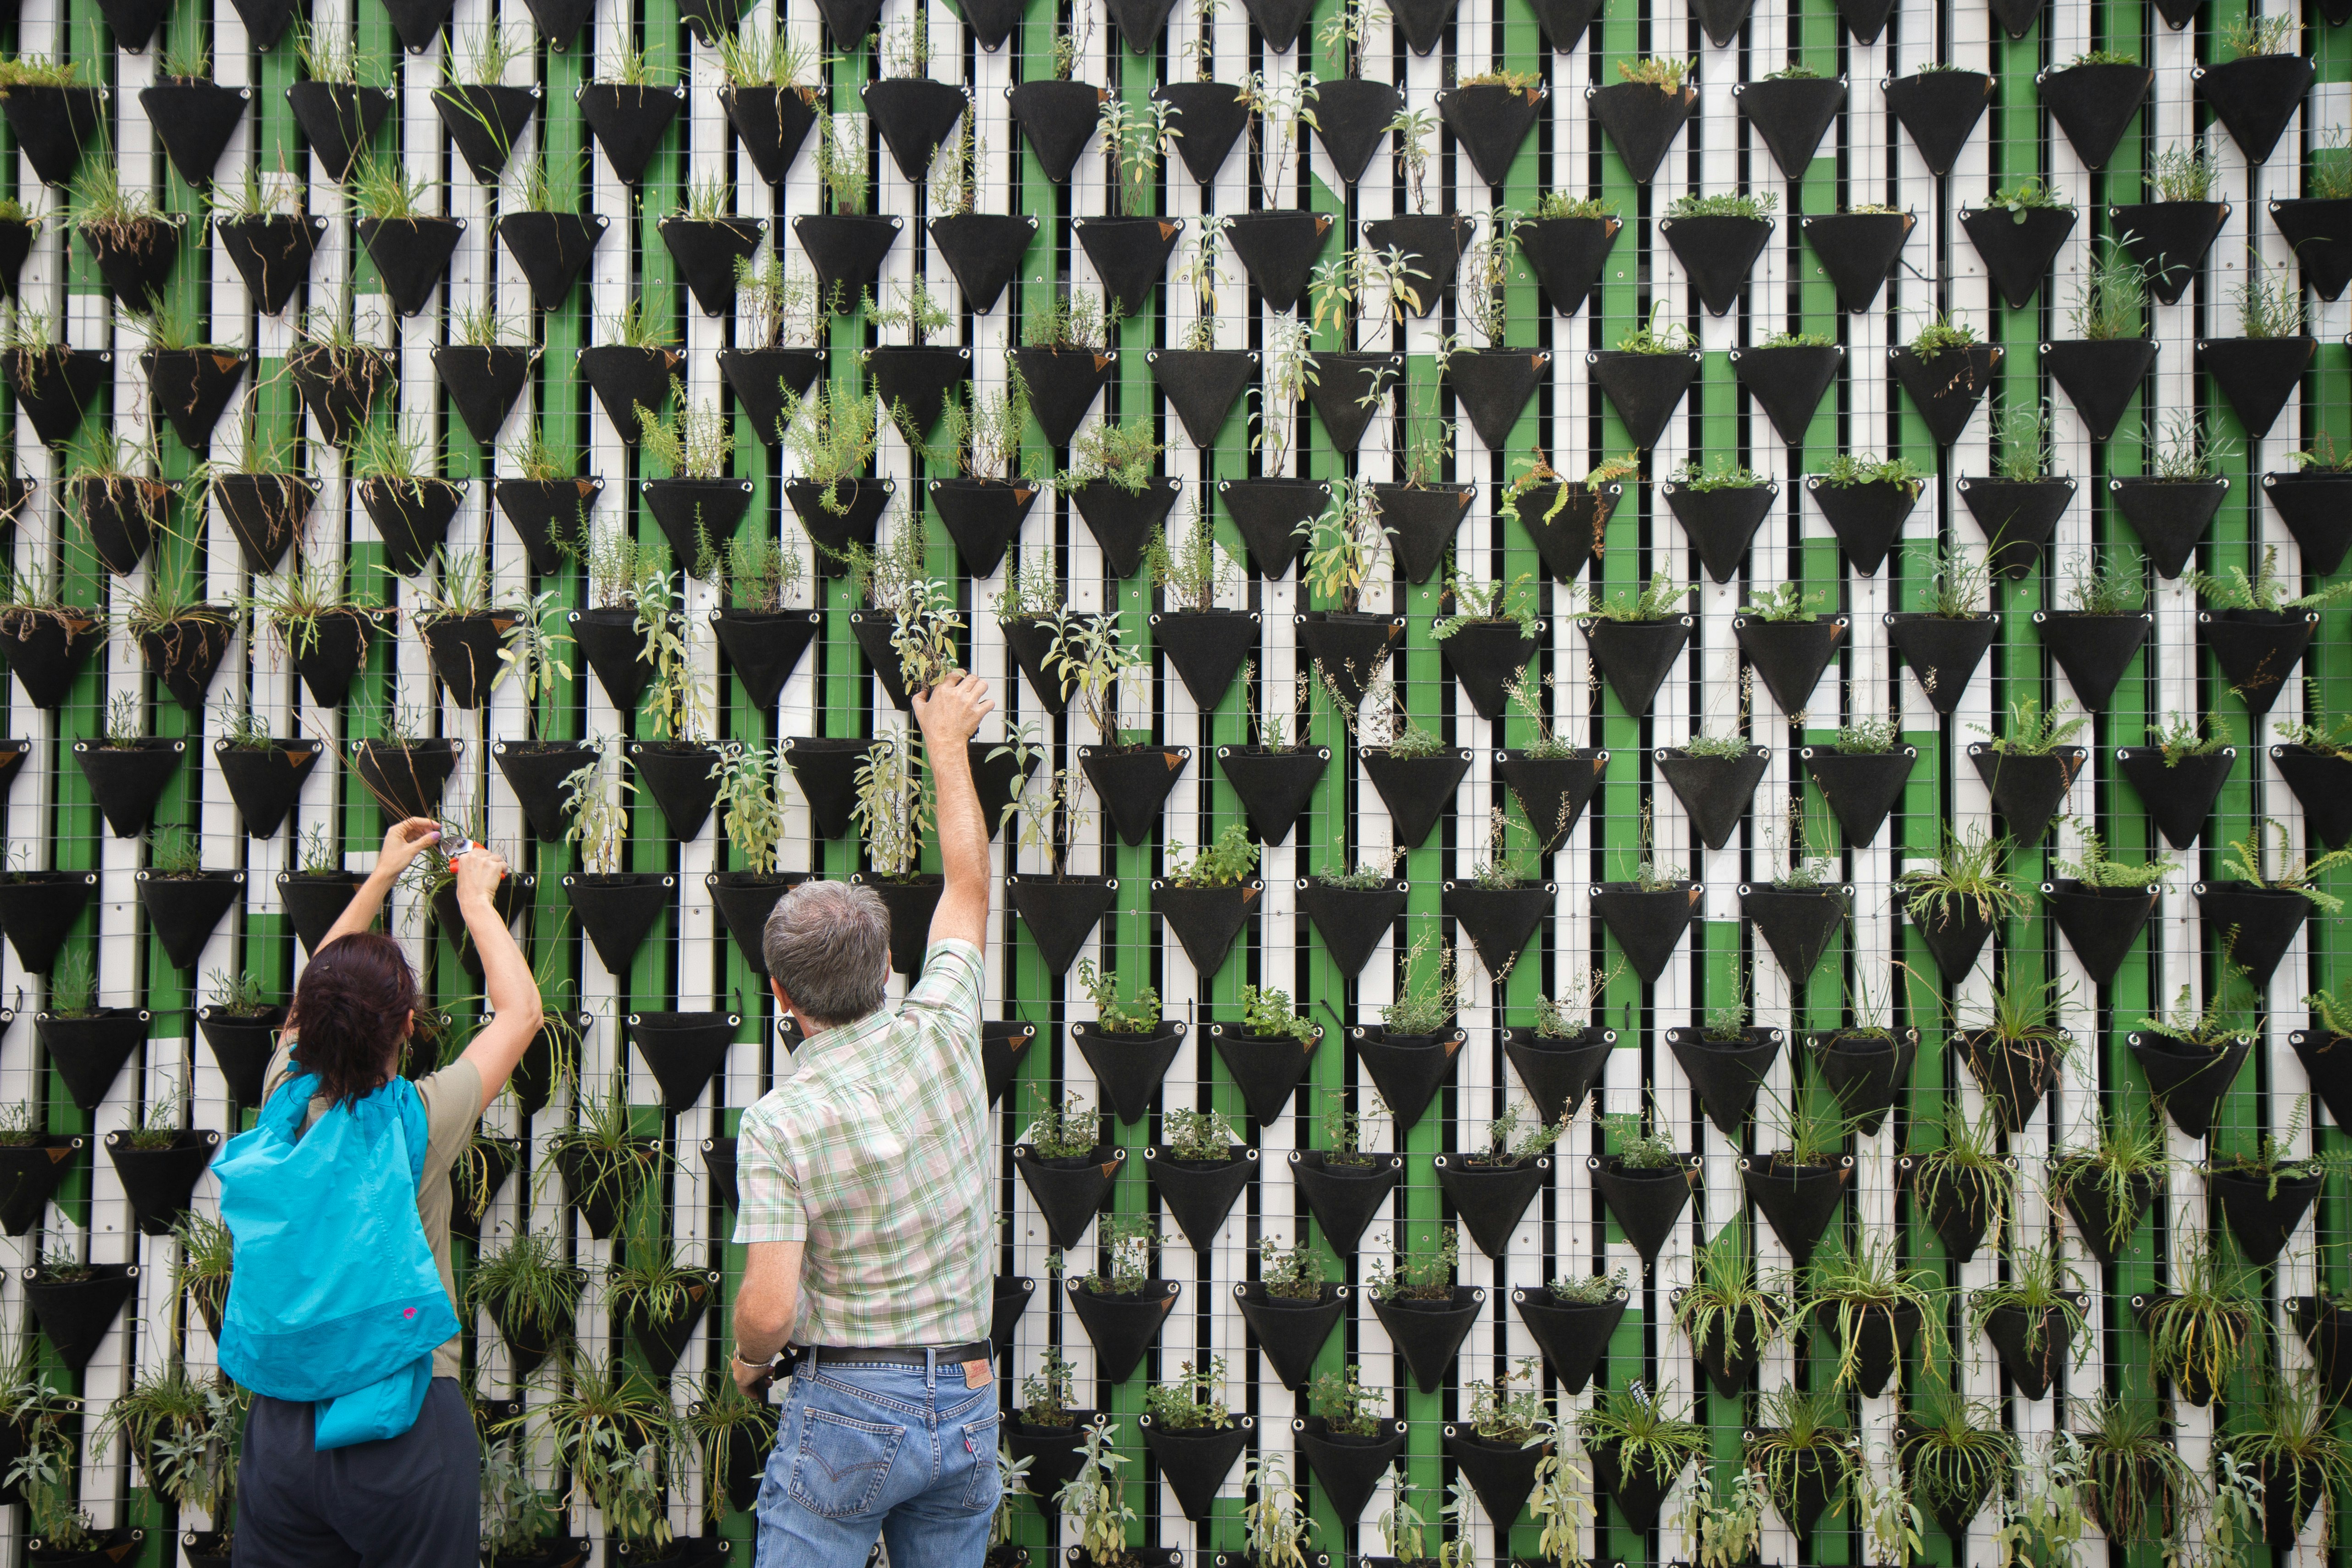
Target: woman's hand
{"points": [[480, 872], [404, 842]]}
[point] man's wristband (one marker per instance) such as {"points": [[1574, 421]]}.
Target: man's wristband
{"points": [[736, 1356]]}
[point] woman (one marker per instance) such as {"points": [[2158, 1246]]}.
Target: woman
{"points": [[316, 1486]]}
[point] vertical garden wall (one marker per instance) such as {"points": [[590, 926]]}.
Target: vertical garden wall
{"points": [[1905, 450]]}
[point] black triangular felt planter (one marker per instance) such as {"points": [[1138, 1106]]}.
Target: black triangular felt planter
{"points": [[1798, 1201], [746, 900], [618, 911], [1211, 116], [696, 515], [1434, 241], [1290, 1334], [1001, 1045], [1572, 1337], [2100, 377], [1857, 250], [1068, 1191], [1206, 920], [1646, 1204], [1424, 22], [1649, 925], [1133, 784], [1490, 1199], [264, 781], [1350, 921], [405, 780], [2257, 651], [1348, 1468], [1031, 641], [1641, 121], [610, 641], [1726, 1074], [127, 781], [338, 120], [1054, 1452], [771, 122], [193, 120], [2262, 1223], [2017, 247], [2178, 797], [1127, 1066], [314, 900], [764, 647], [483, 382], [1791, 654], [1278, 249], [1558, 1071], [1499, 921], [2319, 231], [89, 1052], [535, 770], [915, 114], [485, 123], [1862, 788], [1566, 254], [242, 1046], [1351, 649], [1943, 651], [2092, 104], [2017, 518], [1063, 385], [2254, 98], [2015, 1074], [160, 1182], [1792, 116], [2325, 1330], [36, 907], [1718, 252], [413, 516], [16, 243], [1502, 1473], [1202, 386], [2323, 787], [705, 251], [183, 654], [984, 251], [2169, 516], [1720, 523], [1715, 791], [629, 122], [76, 1315], [2026, 790], [54, 389], [136, 261], [684, 1050], [1867, 517], [1199, 1193], [758, 377], [1881, 1336], [1269, 513], [418, 21], [1264, 1067], [184, 911], [2031, 1352], [265, 20], [2169, 238], [2094, 650], [1195, 1463], [1131, 255], [1634, 656], [1421, 523], [1563, 22], [1207, 648], [13, 755], [1954, 941], [664, 1344], [1798, 926], [2264, 921], [845, 250], [1058, 119], [2102, 925], [1788, 382], [1343, 1198], [2190, 1080], [1639, 1492], [52, 126], [679, 780], [1484, 655], [1643, 389], [1343, 383], [1491, 123], [1279, 21], [1352, 117], [337, 385], [190, 388], [1429, 1334], [1939, 109], [1408, 1069], [1947, 388], [123, 515], [1494, 387], [552, 250], [30, 1173], [2317, 510], [910, 904], [983, 517], [1416, 790], [1866, 1074], [1957, 1213], [864, 500]]}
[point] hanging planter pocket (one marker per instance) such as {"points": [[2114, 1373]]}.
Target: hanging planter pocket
{"points": [[38, 907], [411, 256], [1792, 656], [1347, 392], [2254, 97], [1490, 122], [464, 651], [1265, 1067], [1552, 791], [1129, 255], [1726, 1073], [764, 647], [2257, 651], [1499, 921], [1860, 787], [1202, 386], [264, 511], [485, 123], [2322, 785], [1715, 791], [2026, 790], [337, 385], [983, 517], [76, 1315], [413, 517], [1416, 790], [1644, 389], [405, 780], [56, 388], [2318, 230], [609, 641], [772, 122], [685, 1050], [1866, 1072], [746, 900], [707, 251], [1195, 1463], [271, 254], [190, 388], [2264, 1222], [1788, 382], [1290, 1332], [1796, 924], [1959, 1212], [1494, 387], [2178, 796], [1867, 517], [2092, 104], [846, 251], [1720, 522], [1344, 1197], [1068, 1191], [2100, 377], [2094, 650], [1881, 1335], [1955, 936], [1199, 1193], [2253, 926], [552, 250], [914, 115], [1798, 1200], [161, 1183], [1125, 521], [1213, 114], [618, 911], [2325, 1330], [1641, 121], [985, 252], [1573, 1336], [1648, 923], [183, 911], [680, 778], [2258, 374], [1565, 254], [2317, 510], [2170, 239], [1433, 242], [1491, 1199], [183, 654], [1350, 921], [2017, 247], [127, 779], [1718, 252], [2016, 1073], [135, 257], [1352, 117], [1635, 657], [1939, 110], [1408, 1069], [1348, 1467], [2017, 518], [1943, 651], [1484, 657], [1639, 1490], [1565, 522], [1278, 249], [264, 781], [1274, 786], [1206, 920], [2104, 1224], [90, 1049], [51, 126], [30, 1174], [1792, 115], [911, 901], [1501, 1472], [1856, 252], [1429, 1334], [1058, 119], [1063, 385], [1133, 785], [1947, 387], [697, 516], [2033, 1345], [629, 122], [1558, 1071], [121, 515], [862, 503], [2102, 925], [1351, 649], [1645, 1204], [1128, 1064]]}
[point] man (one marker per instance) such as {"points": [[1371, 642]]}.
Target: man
{"points": [[867, 1208]]}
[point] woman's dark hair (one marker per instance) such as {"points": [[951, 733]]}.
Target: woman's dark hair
{"points": [[351, 1009]]}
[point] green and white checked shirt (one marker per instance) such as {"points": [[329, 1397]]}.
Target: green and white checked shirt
{"points": [[875, 1153]]}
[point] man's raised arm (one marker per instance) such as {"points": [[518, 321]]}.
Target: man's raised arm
{"points": [[950, 715]]}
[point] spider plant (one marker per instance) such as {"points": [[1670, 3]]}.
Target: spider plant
{"points": [[2040, 1281], [2203, 1328], [528, 1284], [1965, 1172], [1848, 1287], [2290, 1440], [1727, 1310], [613, 1162], [1954, 1451], [615, 1429], [1802, 1436], [1966, 881], [2136, 1479], [2126, 1159], [1631, 1426]]}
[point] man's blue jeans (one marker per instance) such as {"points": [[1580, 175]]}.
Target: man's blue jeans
{"points": [[894, 1451]]}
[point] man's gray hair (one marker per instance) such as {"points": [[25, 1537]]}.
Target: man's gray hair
{"points": [[828, 944]]}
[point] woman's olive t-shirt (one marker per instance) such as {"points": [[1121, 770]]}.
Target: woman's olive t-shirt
{"points": [[453, 1105]]}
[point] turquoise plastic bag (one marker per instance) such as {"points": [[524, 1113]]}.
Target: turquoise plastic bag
{"points": [[334, 1296]]}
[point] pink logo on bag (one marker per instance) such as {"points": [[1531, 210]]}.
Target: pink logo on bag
{"points": [[409, 1313]]}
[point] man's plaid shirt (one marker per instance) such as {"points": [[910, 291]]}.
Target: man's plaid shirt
{"points": [[876, 1154]]}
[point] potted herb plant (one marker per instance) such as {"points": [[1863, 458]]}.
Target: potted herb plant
{"points": [[1570, 1319], [2266, 1195], [1128, 1045], [2018, 507], [531, 1292], [769, 101], [1349, 114], [1954, 1454], [627, 109], [616, 908], [1803, 1447], [410, 246], [2103, 903], [1111, 482], [1874, 1307], [1945, 639], [1646, 376], [829, 437], [1566, 240], [1413, 1050], [1726, 1312], [127, 768], [1347, 1442], [1863, 1063], [1866, 500], [1206, 642], [2135, 1484], [1355, 294], [1348, 644], [46, 640], [1726, 1060], [1642, 113], [1719, 510], [1646, 1182], [1192, 1435], [1491, 1187], [87, 1043], [2029, 768], [2198, 1329], [2171, 505], [1965, 1186], [119, 507], [1066, 1164], [2257, 89], [2108, 1183], [1800, 1185], [54, 384], [1649, 914], [1343, 1182], [1090, 661], [1638, 1451], [181, 638], [2180, 775], [982, 508], [2034, 1316], [2256, 633], [184, 902], [1290, 1307], [1123, 1308]]}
